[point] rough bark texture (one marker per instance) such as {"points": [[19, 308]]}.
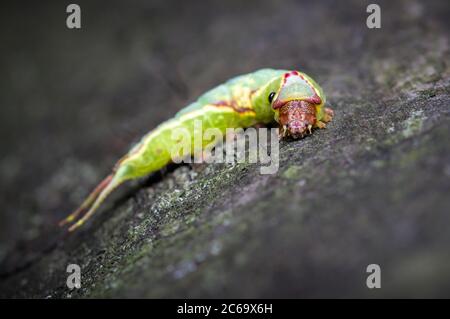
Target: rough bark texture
{"points": [[371, 188]]}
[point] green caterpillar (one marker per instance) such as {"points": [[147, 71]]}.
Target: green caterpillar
{"points": [[291, 98]]}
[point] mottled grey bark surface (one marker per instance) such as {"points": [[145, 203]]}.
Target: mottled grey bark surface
{"points": [[371, 188]]}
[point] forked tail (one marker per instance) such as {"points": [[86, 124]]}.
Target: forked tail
{"points": [[92, 202]]}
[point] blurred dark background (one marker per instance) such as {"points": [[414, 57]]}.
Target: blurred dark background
{"points": [[73, 101]]}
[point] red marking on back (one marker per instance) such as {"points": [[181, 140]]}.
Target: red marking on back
{"points": [[233, 105], [277, 104], [222, 103], [314, 99], [288, 74]]}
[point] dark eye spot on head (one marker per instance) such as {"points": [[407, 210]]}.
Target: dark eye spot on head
{"points": [[271, 96]]}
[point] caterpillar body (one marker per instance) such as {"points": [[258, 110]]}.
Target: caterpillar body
{"points": [[290, 98]]}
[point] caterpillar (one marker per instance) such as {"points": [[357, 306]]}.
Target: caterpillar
{"points": [[290, 98]]}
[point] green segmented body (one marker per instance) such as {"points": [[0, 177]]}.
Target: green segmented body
{"points": [[238, 103]]}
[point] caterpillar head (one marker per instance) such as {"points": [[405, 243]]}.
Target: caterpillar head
{"points": [[295, 104], [297, 118]]}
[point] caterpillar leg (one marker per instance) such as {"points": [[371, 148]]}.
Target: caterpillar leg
{"points": [[328, 116], [320, 124], [88, 202]]}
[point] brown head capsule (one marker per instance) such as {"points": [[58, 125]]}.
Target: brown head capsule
{"points": [[297, 118], [297, 104]]}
